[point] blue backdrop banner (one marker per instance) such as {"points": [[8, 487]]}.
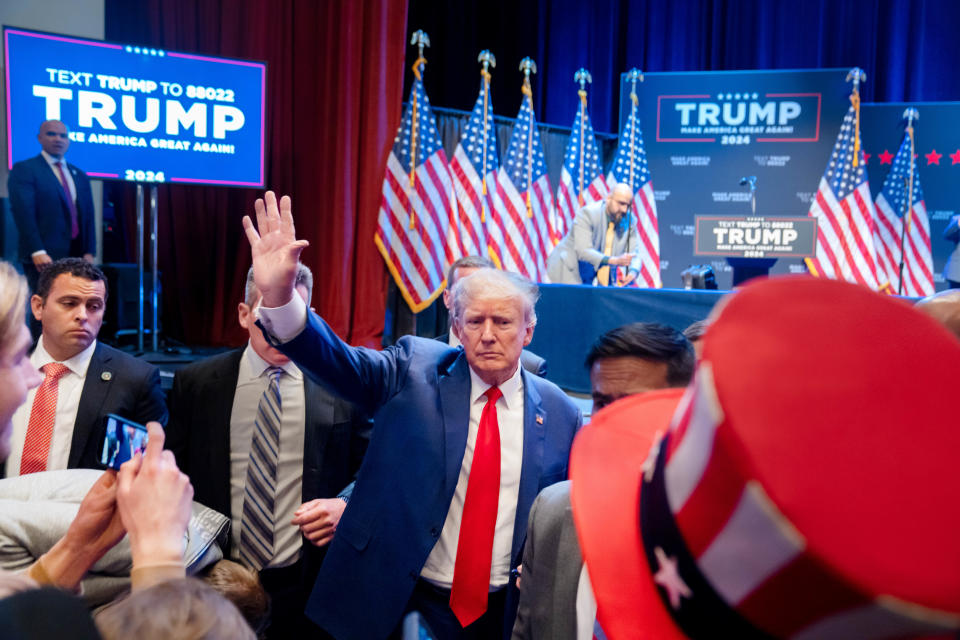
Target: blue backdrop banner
{"points": [[706, 131], [137, 113]]}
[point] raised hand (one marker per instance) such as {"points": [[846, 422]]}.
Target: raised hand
{"points": [[154, 500], [275, 249]]}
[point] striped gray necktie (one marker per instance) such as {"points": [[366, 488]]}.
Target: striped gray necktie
{"points": [[256, 533]]}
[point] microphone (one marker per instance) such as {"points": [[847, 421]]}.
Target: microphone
{"points": [[748, 180]]}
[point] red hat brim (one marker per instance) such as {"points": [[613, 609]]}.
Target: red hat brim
{"points": [[605, 471]]}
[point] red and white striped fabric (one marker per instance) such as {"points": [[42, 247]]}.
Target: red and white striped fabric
{"points": [[630, 167], [891, 203], [522, 232], [846, 218], [417, 207], [749, 551], [581, 164], [474, 173]]}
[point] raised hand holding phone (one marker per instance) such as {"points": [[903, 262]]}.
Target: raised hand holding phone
{"points": [[154, 500]]}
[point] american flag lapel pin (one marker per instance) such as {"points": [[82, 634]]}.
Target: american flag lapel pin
{"points": [[539, 419]]}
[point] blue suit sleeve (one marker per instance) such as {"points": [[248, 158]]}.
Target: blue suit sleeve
{"points": [[362, 376]]}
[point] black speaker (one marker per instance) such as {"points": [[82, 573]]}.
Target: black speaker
{"points": [[123, 299]]}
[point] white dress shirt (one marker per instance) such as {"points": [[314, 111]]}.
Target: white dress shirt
{"points": [[440, 563], [586, 606], [289, 320], [69, 389], [252, 381]]}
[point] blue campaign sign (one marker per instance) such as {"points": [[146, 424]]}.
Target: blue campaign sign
{"points": [[937, 149], [705, 131], [136, 113]]}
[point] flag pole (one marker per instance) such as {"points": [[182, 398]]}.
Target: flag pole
{"points": [[633, 75], [527, 65], [909, 115], [582, 77], [421, 39], [488, 60], [857, 75]]}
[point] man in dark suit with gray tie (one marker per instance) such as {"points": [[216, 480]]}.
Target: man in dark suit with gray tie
{"points": [[52, 204], [215, 409]]}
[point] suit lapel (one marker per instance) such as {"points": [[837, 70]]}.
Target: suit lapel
{"points": [[454, 386], [53, 182], [96, 386], [534, 417]]}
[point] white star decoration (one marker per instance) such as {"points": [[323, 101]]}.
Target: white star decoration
{"points": [[650, 464], [668, 578]]}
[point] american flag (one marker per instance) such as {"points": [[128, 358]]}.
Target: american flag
{"points": [[845, 216], [891, 205], [630, 167], [581, 179], [474, 172], [417, 205], [522, 235]]}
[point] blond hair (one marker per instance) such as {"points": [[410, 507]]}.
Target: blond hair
{"points": [[186, 609], [13, 303], [242, 587]]}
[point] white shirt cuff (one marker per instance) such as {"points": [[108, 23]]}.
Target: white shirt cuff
{"points": [[286, 322], [42, 252]]}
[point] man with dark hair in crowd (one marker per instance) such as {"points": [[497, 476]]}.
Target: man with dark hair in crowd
{"points": [[148, 500], [52, 204], [219, 408], [463, 441], [60, 426], [555, 597], [638, 357], [694, 333], [461, 269]]}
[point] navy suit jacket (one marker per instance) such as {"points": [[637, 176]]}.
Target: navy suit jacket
{"points": [[41, 211], [117, 383], [420, 391]]}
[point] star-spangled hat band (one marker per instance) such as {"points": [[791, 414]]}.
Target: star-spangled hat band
{"points": [[805, 486]]}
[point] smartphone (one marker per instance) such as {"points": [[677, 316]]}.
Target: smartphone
{"points": [[416, 628], [122, 440]]}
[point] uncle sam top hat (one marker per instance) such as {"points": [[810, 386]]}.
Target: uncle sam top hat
{"points": [[806, 486]]}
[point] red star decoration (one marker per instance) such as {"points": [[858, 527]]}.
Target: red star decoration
{"points": [[955, 157], [886, 157], [866, 157], [933, 157]]}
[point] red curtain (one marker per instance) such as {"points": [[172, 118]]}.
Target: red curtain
{"points": [[334, 80]]}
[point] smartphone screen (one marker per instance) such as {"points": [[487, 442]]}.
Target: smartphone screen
{"points": [[122, 440]]}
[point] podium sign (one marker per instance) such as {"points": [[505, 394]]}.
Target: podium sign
{"points": [[755, 237]]}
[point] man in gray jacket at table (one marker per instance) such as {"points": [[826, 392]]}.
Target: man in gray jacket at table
{"points": [[602, 238]]}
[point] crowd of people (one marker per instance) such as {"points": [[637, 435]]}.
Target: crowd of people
{"points": [[783, 468]]}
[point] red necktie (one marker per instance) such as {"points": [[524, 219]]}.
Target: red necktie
{"points": [[74, 225], [36, 446], [471, 572]]}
